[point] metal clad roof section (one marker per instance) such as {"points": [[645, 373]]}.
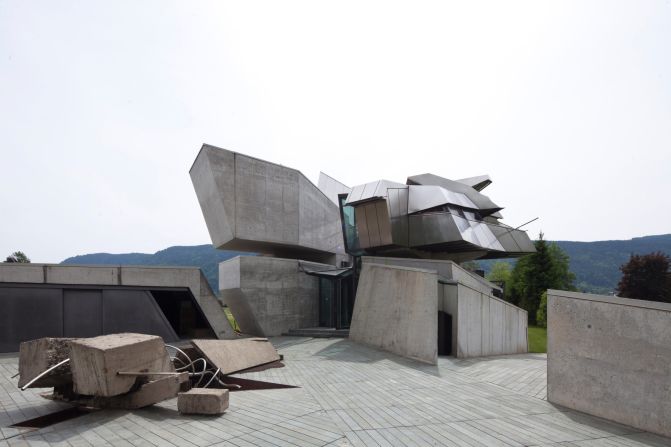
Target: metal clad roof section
{"points": [[372, 190], [478, 182], [482, 202]]}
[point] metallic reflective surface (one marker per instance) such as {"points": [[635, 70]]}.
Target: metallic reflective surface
{"points": [[483, 203], [370, 191], [430, 217]]}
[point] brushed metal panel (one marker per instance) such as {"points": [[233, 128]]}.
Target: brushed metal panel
{"points": [[426, 197]]}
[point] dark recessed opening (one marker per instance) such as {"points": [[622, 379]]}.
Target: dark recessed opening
{"points": [[444, 333], [183, 314]]}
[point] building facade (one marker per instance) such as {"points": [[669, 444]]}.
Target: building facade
{"points": [[320, 244]]}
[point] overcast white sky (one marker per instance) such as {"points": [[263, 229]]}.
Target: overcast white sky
{"points": [[104, 106]]}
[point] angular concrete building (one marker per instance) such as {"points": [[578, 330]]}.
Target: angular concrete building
{"points": [[329, 253], [256, 206]]}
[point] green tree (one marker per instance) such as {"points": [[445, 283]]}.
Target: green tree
{"points": [[646, 277], [18, 256], [500, 274], [533, 274]]}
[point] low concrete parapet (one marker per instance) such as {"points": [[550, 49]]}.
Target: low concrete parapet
{"points": [[482, 324], [611, 357]]}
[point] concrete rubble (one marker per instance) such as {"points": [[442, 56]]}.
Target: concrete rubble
{"points": [[203, 401], [130, 371], [96, 362], [38, 355]]}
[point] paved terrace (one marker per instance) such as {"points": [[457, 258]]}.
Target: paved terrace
{"points": [[349, 395]]}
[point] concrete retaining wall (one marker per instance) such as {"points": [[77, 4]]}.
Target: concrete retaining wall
{"points": [[445, 269], [611, 357], [396, 310], [482, 324], [269, 296], [110, 275]]}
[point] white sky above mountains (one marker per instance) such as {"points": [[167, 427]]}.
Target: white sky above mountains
{"points": [[104, 106]]}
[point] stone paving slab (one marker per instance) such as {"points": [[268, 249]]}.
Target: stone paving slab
{"points": [[349, 395]]}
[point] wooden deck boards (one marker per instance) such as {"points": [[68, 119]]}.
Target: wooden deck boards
{"points": [[349, 395]]}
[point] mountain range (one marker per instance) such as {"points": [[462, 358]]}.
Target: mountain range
{"points": [[595, 264]]}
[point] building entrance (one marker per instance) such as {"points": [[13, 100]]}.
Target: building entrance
{"points": [[336, 297]]}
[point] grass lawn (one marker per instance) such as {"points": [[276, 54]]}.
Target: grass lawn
{"points": [[538, 339]]}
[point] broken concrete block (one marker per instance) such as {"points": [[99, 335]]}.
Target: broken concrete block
{"points": [[203, 401], [36, 356], [95, 362], [148, 394], [236, 355]]}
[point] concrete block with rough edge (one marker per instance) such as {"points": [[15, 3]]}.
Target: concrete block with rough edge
{"points": [[203, 401], [95, 362], [148, 394], [36, 356]]}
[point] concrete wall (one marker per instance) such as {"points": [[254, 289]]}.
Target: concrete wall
{"points": [[258, 206], [106, 275], [396, 310], [611, 357], [445, 269], [269, 296], [482, 324]]}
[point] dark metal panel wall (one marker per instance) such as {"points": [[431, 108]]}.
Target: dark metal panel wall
{"points": [[134, 311], [82, 313], [27, 313]]}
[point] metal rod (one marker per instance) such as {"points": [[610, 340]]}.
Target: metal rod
{"points": [[193, 369], [203, 373], [44, 373], [229, 385], [214, 376], [146, 373], [515, 229]]}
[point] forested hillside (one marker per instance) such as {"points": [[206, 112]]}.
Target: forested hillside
{"points": [[595, 264]]}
